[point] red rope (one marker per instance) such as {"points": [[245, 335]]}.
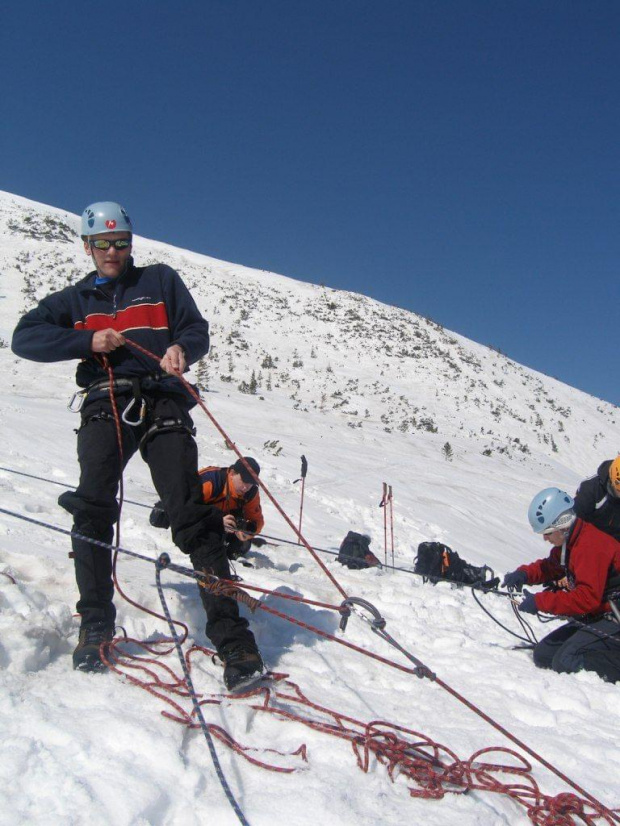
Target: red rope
{"points": [[290, 597], [237, 593], [426, 672], [431, 770], [257, 479], [119, 440]]}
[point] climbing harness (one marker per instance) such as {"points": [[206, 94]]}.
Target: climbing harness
{"points": [[588, 626], [78, 399], [163, 425], [115, 386]]}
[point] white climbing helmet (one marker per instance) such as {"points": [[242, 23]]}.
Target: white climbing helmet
{"points": [[105, 216]]}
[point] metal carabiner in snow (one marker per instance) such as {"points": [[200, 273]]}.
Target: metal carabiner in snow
{"points": [[378, 622]]}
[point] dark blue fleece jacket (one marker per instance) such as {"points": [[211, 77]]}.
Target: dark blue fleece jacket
{"points": [[150, 305]]}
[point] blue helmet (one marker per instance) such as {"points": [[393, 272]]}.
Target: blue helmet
{"points": [[551, 509], [105, 216]]}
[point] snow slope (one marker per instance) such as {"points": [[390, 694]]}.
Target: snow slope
{"points": [[95, 749]]}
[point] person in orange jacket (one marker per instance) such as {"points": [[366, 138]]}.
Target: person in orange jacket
{"points": [[233, 490], [584, 563]]}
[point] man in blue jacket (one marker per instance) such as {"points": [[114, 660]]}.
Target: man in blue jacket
{"points": [[96, 321]]}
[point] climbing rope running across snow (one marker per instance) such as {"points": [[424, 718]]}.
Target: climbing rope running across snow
{"points": [[420, 670]]}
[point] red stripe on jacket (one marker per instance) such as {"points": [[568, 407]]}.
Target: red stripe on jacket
{"points": [[140, 316]]}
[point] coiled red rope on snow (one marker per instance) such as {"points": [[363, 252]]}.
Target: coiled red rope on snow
{"points": [[430, 769], [306, 544]]}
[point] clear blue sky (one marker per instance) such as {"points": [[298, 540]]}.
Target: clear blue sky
{"points": [[458, 158]]}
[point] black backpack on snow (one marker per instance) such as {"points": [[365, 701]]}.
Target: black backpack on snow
{"points": [[437, 561], [355, 552]]}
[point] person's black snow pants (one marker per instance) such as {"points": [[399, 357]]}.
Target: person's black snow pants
{"points": [[197, 528], [575, 647]]}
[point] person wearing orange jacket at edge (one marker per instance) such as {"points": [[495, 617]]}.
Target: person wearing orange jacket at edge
{"points": [[233, 491]]}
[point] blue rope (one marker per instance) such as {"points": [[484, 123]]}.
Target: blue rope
{"points": [[60, 484], [160, 564]]}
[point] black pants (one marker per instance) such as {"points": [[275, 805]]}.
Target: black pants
{"points": [[224, 625], [236, 547], [574, 647], [197, 528]]}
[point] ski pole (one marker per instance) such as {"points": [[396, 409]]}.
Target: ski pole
{"points": [[391, 500], [383, 504], [304, 471]]}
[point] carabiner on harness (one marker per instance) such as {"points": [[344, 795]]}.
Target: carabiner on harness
{"points": [[141, 414], [77, 401]]}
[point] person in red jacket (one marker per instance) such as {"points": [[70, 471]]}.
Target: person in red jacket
{"points": [[582, 563]]}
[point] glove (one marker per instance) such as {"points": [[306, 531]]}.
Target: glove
{"points": [[528, 604], [158, 517], [515, 579]]}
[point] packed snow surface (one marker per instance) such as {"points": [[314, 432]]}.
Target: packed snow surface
{"points": [[95, 749]]}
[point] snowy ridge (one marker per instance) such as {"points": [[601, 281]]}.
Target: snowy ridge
{"points": [[337, 352], [78, 749]]}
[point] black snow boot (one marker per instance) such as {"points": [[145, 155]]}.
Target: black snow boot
{"points": [[87, 655], [242, 664]]}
